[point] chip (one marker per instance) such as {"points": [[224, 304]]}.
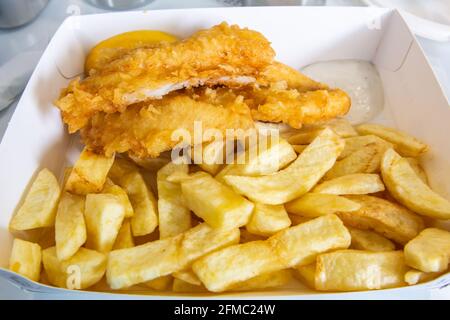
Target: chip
{"points": [[174, 215], [217, 204], [82, 270], [260, 159], [70, 227], [369, 241], [353, 270], [89, 173], [317, 204], [407, 188], [39, 207], [405, 144], [25, 259], [358, 183], [384, 217], [295, 180], [124, 238], [127, 267], [104, 214], [294, 246], [429, 251], [268, 219]]}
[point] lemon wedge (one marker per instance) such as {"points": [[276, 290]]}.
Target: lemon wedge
{"points": [[111, 48]]}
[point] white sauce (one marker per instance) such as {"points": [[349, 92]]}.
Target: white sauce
{"points": [[360, 79]]}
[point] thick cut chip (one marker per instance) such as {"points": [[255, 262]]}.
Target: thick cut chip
{"points": [[389, 219], [146, 262], [405, 144], [264, 281], [174, 215], [39, 207], [81, 271], [215, 202], [294, 246], [413, 277], [145, 218], [70, 227], [364, 160], [111, 188], [26, 259], [408, 189], [187, 276], [429, 251], [415, 165], [160, 284], [124, 238], [127, 267], [317, 204], [268, 219], [342, 127], [353, 270], [209, 156], [369, 241], [222, 269], [104, 214], [298, 178], [300, 244], [304, 137], [306, 274], [269, 155], [353, 144], [89, 173], [357, 183]]}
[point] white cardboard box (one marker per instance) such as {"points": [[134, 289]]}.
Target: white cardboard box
{"points": [[36, 137]]}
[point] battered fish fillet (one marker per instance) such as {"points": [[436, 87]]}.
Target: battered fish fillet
{"points": [[296, 108], [222, 54], [280, 75], [145, 129]]}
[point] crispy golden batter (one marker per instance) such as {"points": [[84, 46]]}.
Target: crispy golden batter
{"points": [[280, 75], [224, 77], [145, 130], [297, 108], [220, 54]]}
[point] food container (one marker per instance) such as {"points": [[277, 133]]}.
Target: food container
{"points": [[415, 102]]}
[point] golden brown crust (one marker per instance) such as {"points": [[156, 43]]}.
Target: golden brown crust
{"points": [[389, 219], [221, 51], [297, 108], [145, 129], [281, 74]]}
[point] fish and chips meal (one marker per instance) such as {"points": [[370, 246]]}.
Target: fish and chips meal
{"points": [[211, 167]]}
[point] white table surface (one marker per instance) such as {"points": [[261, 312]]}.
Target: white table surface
{"points": [[35, 36]]}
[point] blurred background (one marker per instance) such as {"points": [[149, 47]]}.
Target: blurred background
{"points": [[26, 27]]}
